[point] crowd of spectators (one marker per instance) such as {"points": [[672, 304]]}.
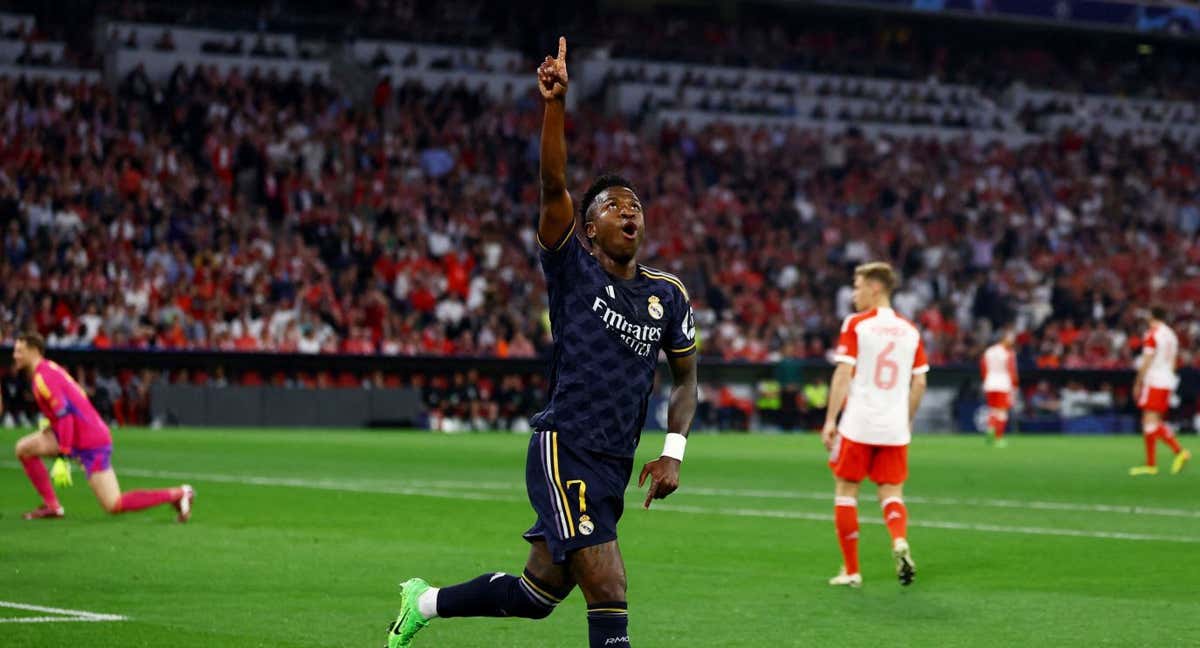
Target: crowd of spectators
{"points": [[903, 48], [266, 214]]}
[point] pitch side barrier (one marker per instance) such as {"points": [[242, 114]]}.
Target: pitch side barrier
{"points": [[211, 388]]}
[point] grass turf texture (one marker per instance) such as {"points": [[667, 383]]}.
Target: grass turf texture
{"points": [[300, 538]]}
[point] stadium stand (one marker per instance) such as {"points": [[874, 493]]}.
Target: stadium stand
{"points": [[229, 195]]}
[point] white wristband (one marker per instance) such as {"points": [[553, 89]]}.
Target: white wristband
{"points": [[673, 446]]}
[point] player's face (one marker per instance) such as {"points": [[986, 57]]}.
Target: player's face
{"points": [[20, 356], [617, 224], [861, 297]]}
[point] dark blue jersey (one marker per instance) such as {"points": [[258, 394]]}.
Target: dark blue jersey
{"points": [[607, 335]]}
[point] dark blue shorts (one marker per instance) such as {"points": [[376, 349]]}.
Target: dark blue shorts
{"points": [[93, 459], [578, 495]]}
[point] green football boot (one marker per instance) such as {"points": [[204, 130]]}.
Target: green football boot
{"points": [[410, 621]]}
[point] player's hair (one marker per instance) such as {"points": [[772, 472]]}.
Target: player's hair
{"points": [[601, 183], [33, 340], [878, 271], [1158, 312]]}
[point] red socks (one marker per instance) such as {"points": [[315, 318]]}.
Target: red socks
{"points": [[845, 517], [895, 515], [141, 499], [131, 501], [1151, 436], [1168, 436], [41, 480], [997, 424]]}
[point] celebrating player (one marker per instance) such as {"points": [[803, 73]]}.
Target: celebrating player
{"points": [[880, 379], [1155, 381], [610, 316], [999, 369], [76, 432]]}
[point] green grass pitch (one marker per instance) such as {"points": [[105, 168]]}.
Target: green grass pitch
{"points": [[300, 538]]}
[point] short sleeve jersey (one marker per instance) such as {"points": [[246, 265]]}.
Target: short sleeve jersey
{"points": [[1163, 345], [999, 369], [607, 336], [886, 351]]}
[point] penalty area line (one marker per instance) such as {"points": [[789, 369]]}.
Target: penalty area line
{"points": [[62, 615]]}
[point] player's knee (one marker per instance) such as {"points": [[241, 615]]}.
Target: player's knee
{"points": [[112, 507], [608, 590]]}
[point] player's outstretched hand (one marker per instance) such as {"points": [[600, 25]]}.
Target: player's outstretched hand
{"points": [[828, 435], [552, 73], [664, 478]]}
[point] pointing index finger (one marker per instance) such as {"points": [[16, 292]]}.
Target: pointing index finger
{"points": [[650, 493], [562, 48]]}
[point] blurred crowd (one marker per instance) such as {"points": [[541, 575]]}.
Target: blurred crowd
{"points": [[456, 401], [813, 39], [267, 214], [902, 48]]}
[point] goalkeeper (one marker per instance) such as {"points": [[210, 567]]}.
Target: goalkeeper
{"points": [[73, 431]]}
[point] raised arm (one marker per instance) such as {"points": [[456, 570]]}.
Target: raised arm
{"points": [[557, 213]]}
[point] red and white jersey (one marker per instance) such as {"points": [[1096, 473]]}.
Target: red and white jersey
{"points": [[1163, 347], [886, 351], [999, 369]]}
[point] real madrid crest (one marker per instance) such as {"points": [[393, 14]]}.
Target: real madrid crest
{"points": [[585, 525], [655, 308]]}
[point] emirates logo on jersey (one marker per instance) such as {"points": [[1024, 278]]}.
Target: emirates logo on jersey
{"points": [[639, 337]]}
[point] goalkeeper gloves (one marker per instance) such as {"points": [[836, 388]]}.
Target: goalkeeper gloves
{"points": [[60, 473]]}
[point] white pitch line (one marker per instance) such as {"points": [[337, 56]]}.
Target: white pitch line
{"points": [[933, 524], [825, 496], [62, 619], [67, 616], [443, 492], [443, 487]]}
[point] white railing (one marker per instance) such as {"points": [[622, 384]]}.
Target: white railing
{"points": [[424, 57], [11, 50], [699, 119], [48, 73], [631, 97], [160, 65], [192, 40]]}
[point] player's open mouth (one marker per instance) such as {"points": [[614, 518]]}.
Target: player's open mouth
{"points": [[630, 230]]}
